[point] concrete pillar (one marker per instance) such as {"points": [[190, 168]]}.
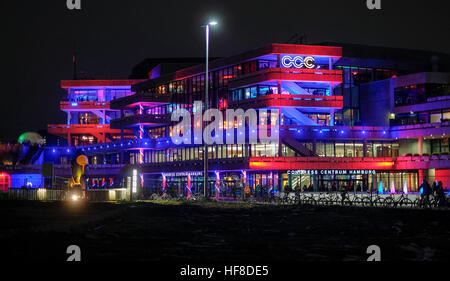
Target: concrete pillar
{"points": [[420, 146], [365, 148], [332, 117], [421, 177]]}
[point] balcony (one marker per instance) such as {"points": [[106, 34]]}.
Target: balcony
{"points": [[83, 105], [421, 130], [92, 129], [350, 163], [335, 132], [145, 119], [431, 104], [287, 74], [147, 99], [281, 100]]}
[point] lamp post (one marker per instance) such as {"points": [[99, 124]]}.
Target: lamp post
{"points": [[205, 147]]}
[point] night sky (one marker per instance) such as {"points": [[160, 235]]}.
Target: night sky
{"points": [[112, 36]]}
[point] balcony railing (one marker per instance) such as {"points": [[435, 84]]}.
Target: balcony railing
{"points": [[291, 74], [275, 100], [84, 105], [147, 119], [141, 98]]}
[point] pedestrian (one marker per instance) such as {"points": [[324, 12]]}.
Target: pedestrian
{"points": [[440, 193], [434, 189]]}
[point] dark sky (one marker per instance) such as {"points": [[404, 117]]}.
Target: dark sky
{"points": [[38, 39]]}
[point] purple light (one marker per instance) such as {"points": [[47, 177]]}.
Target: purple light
{"points": [[363, 132], [342, 131], [54, 150]]}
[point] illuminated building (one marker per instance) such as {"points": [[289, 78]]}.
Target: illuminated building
{"points": [[357, 116]]}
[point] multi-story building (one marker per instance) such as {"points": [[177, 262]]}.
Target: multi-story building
{"points": [[88, 111], [362, 117]]}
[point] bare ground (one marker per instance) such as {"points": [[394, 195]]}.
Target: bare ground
{"points": [[215, 232]]}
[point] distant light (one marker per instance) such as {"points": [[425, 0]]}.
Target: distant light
{"points": [[212, 22], [74, 197], [74, 104], [384, 132], [342, 131], [363, 132], [320, 131], [54, 150], [68, 150]]}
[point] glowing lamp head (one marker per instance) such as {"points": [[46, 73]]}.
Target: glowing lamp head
{"points": [[213, 22], [75, 197]]}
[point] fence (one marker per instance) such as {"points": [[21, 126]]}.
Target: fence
{"points": [[36, 194], [42, 194]]}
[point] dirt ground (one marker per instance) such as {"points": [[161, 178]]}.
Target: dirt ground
{"points": [[184, 232]]}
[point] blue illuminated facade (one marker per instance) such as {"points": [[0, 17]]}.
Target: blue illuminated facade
{"points": [[345, 119]]}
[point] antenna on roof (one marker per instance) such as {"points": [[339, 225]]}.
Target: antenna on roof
{"points": [[74, 60], [297, 39]]}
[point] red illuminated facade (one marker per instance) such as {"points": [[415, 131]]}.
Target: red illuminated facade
{"points": [[344, 120], [88, 111]]}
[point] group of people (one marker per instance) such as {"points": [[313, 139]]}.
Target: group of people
{"points": [[437, 190], [328, 188]]}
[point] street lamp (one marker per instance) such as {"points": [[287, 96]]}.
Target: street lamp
{"points": [[205, 147]]}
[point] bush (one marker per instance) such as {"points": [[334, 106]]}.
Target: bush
{"points": [[3, 195]]}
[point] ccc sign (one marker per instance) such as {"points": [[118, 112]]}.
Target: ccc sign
{"points": [[297, 62]]}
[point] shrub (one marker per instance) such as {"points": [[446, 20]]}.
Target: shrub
{"points": [[3, 195]]}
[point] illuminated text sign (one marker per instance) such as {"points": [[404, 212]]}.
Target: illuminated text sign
{"points": [[288, 61], [332, 172]]}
